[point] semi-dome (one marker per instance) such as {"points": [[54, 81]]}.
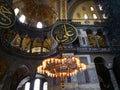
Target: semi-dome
{"points": [[36, 13]]}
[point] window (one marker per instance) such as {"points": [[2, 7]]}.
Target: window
{"points": [[16, 11], [85, 16], [92, 8], [45, 86], [22, 18], [100, 7], [104, 16], [27, 86], [83, 41], [94, 16], [37, 84], [39, 25]]}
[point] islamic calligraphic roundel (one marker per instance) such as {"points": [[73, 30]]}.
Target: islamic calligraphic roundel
{"points": [[7, 16], [65, 33]]}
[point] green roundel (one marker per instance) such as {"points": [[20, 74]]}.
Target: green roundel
{"points": [[64, 33], [7, 16]]}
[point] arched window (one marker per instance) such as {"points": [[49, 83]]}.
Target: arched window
{"points": [[94, 16], [85, 16], [104, 16], [45, 86], [22, 18], [16, 10], [92, 8], [37, 84], [39, 25], [27, 86], [100, 7]]}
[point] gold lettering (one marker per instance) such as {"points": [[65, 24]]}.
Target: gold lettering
{"points": [[63, 40], [63, 34], [67, 32], [5, 13]]}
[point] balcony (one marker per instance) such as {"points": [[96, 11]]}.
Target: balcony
{"points": [[87, 50]]}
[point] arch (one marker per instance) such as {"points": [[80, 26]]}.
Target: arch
{"points": [[98, 60], [75, 5], [101, 38], [19, 74], [22, 82], [48, 43], [26, 42], [16, 41], [37, 45], [103, 74], [36, 82], [91, 38], [27, 86], [42, 46], [80, 12], [45, 86], [116, 68]]}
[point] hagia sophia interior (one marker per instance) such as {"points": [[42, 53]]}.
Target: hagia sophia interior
{"points": [[59, 45]]}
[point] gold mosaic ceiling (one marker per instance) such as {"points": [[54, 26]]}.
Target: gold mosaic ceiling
{"points": [[44, 11]]}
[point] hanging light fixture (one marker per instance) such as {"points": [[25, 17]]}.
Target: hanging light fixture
{"points": [[61, 67]]}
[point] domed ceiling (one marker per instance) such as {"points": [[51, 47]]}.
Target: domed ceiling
{"points": [[36, 13], [41, 14]]}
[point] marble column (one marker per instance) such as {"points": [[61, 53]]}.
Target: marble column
{"points": [[112, 76], [31, 44], [107, 40], [22, 37], [94, 34]]}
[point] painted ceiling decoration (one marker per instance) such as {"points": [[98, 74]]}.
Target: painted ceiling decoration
{"points": [[34, 11]]}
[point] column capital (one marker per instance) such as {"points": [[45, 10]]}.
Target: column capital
{"points": [[109, 65]]}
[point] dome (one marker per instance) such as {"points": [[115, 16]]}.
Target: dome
{"points": [[36, 13]]}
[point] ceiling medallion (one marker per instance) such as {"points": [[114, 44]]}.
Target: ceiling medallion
{"points": [[7, 16], [64, 33]]}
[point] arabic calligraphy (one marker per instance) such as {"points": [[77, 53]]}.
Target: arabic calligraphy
{"points": [[65, 33], [7, 16]]}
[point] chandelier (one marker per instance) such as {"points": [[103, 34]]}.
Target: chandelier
{"points": [[61, 67]]}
